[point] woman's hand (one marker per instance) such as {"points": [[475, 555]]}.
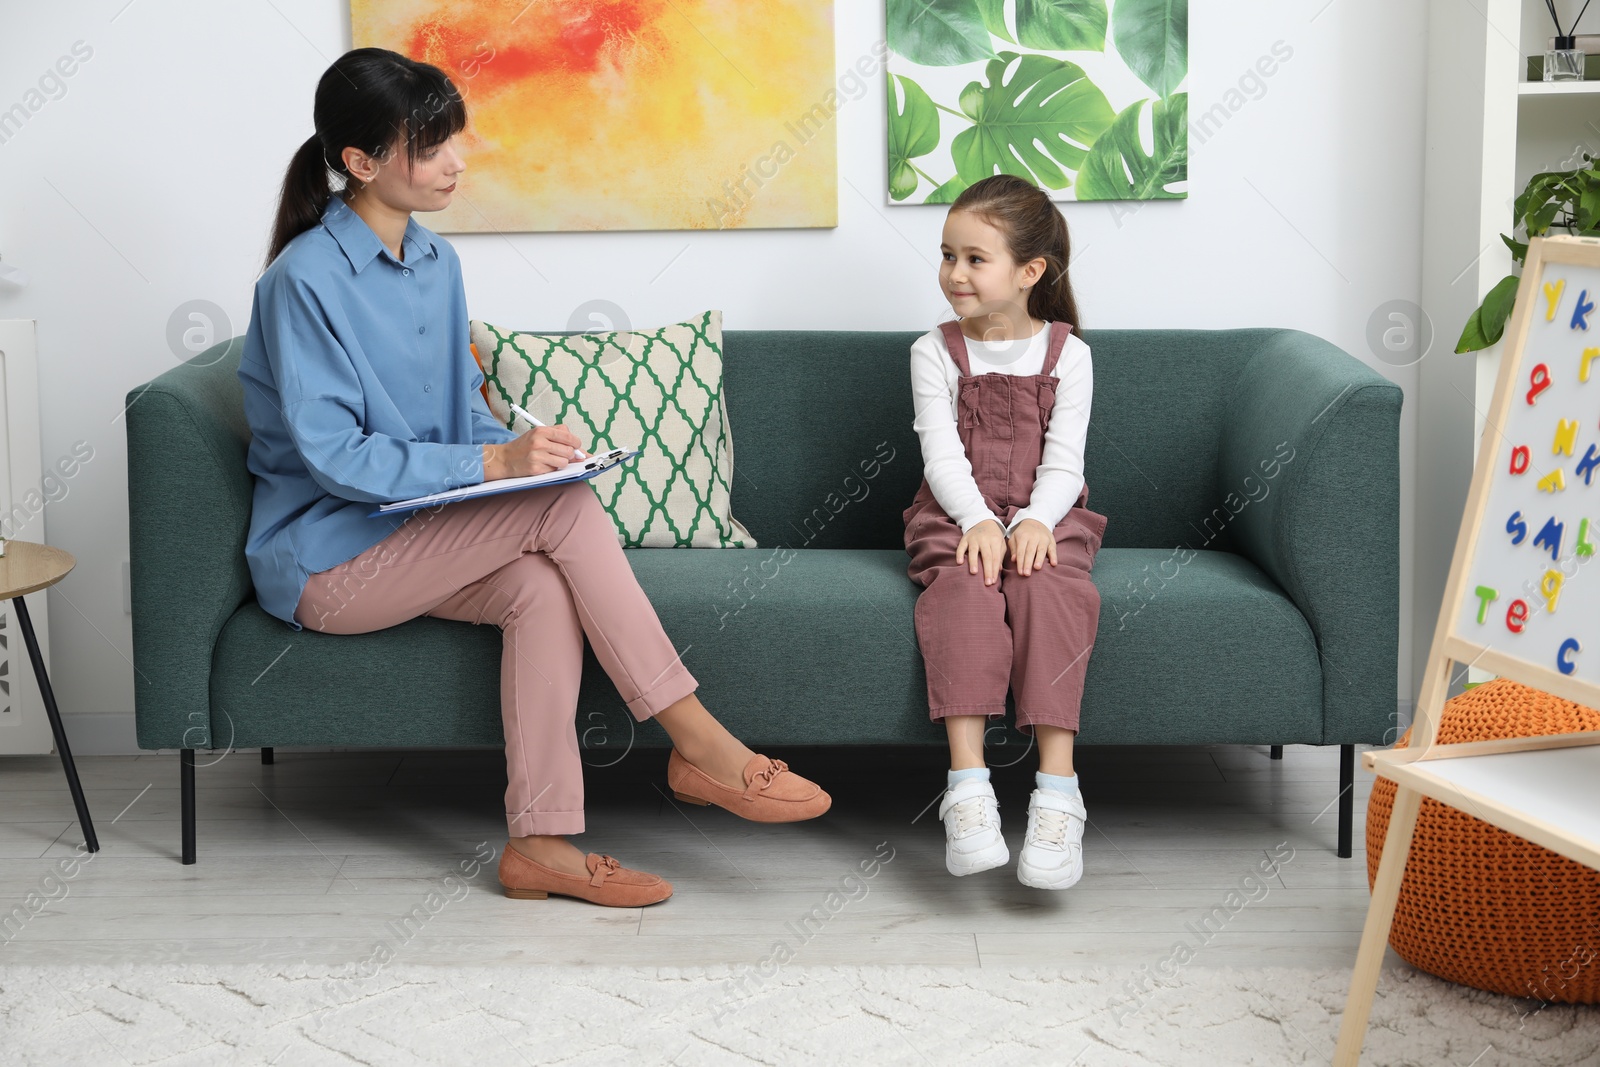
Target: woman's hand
{"points": [[539, 451], [987, 541], [1031, 544]]}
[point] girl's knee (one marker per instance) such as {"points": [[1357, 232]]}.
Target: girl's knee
{"points": [[958, 578], [1063, 580]]}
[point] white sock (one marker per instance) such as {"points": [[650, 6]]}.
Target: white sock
{"points": [[1061, 783], [981, 773]]}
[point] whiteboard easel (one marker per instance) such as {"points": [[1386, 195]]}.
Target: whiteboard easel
{"points": [[1533, 506]]}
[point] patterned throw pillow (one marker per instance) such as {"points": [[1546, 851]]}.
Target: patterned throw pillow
{"points": [[659, 391]]}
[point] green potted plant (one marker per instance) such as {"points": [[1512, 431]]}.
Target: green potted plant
{"points": [[1566, 198]]}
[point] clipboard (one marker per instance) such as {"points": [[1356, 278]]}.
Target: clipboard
{"points": [[576, 471]]}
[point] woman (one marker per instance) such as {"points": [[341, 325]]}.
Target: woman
{"points": [[359, 387]]}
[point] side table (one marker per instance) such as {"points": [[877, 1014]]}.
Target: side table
{"points": [[28, 567]]}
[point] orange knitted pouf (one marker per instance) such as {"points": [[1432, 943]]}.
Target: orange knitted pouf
{"points": [[1483, 907]]}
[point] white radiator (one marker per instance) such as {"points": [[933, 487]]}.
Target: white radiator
{"points": [[23, 725]]}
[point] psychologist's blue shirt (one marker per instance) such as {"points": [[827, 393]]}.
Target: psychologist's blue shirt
{"points": [[360, 388]]}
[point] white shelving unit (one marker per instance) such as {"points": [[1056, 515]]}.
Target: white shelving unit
{"points": [[1488, 131], [1557, 88], [1549, 125]]}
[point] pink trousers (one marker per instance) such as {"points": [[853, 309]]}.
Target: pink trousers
{"points": [[546, 567], [1031, 634]]}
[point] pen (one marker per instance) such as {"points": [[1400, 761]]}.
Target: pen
{"points": [[576, 453]]}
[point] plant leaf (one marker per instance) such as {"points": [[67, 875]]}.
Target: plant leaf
{"points": [[1588, 208], [938, 33], [1472, 333], [1539, 221], [1488, 321], [1537, 193], [1519, 249], [1062, 25], [1497, 307], [913, 131], [1152, 37], [1119, 169], [1047, 102]]}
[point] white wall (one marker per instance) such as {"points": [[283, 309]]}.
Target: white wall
{"points": [[150, 181]]}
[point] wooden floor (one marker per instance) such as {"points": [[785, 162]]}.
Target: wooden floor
{"points": [[323, 856]]}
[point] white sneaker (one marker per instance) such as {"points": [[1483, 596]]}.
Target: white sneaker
{"points": [[972, 840], [1052, 851]]}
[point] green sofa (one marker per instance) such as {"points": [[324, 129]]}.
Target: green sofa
{"points": [[1249, 576]]}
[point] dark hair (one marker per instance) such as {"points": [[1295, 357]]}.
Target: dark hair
{"points": [[1033, 228], [366, 99]]}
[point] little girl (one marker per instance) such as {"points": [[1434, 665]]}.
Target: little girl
{"points": [[1002, 410]]}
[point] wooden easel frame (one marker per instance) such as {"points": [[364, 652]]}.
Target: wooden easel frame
{"points": [[1408, 767]]}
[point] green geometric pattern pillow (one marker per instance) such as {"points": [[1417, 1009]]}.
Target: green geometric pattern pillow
{"points": [[659, 391]]}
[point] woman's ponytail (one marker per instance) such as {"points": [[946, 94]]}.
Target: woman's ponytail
{"points": [[370, 98], [304, 198], [1035, 229]]}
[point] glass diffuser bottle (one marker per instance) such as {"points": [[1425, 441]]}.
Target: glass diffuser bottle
{"points": [[1564, 62]]}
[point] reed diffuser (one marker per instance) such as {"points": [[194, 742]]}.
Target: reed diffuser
{"points": [[1564, 61]]}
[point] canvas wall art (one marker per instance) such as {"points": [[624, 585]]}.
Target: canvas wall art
{"points": [[1085, 98], [630, 114]]}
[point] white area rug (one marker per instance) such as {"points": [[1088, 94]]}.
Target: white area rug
{"points": [[417, 1014]]}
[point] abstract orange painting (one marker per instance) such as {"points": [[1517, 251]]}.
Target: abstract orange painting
{"points": [[629, 114]]}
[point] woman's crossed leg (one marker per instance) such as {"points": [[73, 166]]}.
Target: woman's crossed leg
{"points": [[545, 566]]}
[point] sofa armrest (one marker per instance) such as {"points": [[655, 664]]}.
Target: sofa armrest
{"points": [[1326, 527], [187, 520]]}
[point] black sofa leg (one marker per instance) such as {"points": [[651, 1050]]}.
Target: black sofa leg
{"points": [[266, 757], [1277, 752], [1347, 798], [186, 781]]}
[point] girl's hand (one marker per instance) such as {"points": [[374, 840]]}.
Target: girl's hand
{"points": [[988, 541], [1031, 544], [539, 451]]}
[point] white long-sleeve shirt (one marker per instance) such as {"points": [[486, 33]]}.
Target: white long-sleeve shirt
{"points": [[1059, 476]]}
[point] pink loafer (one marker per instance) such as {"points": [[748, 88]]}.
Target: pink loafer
{"points": [[608, 882], [772, 792]]}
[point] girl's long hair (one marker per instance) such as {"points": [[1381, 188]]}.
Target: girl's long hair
{"points": [[367, 99], [1034, 228]]}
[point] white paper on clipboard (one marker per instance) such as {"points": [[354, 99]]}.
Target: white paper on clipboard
{"points": [[577, 470]]}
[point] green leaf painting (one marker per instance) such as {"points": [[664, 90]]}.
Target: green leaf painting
{"points": [[1054, 91]]}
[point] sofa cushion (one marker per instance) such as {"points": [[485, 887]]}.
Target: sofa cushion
{"points": [[660, 391], [1218, 655], [808, 646], [426, 682]]}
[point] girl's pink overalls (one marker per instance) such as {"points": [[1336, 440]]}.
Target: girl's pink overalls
{"points": [[1032, 633]]}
